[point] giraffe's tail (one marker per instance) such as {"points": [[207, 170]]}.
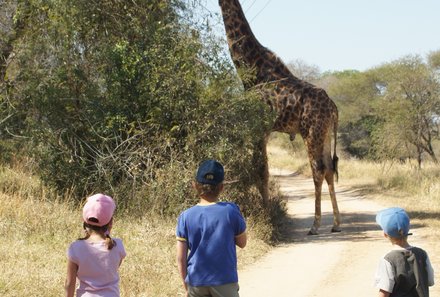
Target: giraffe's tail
{"points": [[335, 158]]}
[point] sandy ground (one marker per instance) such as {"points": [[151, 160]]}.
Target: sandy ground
{"points": [[328, 264]]}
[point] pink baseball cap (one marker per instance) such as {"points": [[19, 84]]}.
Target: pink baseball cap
{"points": [[99, 208]]}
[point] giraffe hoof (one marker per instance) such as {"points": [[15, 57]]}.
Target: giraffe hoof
{"points": [[312, 232], [336, 229]]}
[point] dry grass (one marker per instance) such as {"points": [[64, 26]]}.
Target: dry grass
{"points": [[285, 154], [36, 233], [400, 183], [34, 236]]}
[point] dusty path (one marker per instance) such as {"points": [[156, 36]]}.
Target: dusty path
{"points": [[329, 264]]}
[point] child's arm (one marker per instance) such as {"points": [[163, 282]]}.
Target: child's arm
{"points": [[70, 282], [383, 293], [182, 254], [241, 240]]}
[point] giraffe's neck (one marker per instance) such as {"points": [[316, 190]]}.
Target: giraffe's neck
{"points": [[246, 51], [239, 33]]}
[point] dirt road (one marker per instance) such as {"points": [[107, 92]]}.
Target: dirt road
{"points": [[325, 265]]}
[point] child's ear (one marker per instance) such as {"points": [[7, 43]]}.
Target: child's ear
{"points": [[196, 187]]}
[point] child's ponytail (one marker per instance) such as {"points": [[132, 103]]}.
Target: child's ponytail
{"points": [[102, 230], [109, 241]]}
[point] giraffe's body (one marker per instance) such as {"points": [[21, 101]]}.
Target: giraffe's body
{"points": [[301, 107]]}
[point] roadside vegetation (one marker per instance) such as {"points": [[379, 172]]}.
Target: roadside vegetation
{"points": [[36, 230]]}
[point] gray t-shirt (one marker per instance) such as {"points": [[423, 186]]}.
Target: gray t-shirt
{"points": [[405, 271]]}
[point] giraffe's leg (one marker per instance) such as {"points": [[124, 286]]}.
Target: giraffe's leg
{"points": [[329, 177], [318, 178]]}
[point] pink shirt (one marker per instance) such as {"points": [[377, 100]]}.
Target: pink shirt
{"points": [[97, 267]]}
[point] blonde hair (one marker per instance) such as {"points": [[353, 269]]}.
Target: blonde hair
{"points": [[101, 230]]}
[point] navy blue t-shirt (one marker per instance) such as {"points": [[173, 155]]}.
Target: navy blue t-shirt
{"points": [[210, 234]]}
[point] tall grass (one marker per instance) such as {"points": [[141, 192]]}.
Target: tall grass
{"points": [[400, 183], [34, 236], [36, 232], [288, 155]]}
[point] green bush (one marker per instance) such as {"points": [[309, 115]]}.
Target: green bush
{"points": [[128, 99]]}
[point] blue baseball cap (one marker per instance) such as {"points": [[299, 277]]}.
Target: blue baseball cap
{"points": [[394, 222], [210, 172]]}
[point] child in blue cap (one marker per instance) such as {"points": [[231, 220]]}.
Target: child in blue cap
{"points": [[210, 232], [405, 270]]}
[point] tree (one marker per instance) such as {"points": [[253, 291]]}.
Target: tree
{"points": [[409, 107], [124, 97], [355, 93], [304, 71], [93, 79], [434, 60], [11, 26]]}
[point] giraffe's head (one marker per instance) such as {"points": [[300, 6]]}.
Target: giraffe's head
{"points": [[235, 3]]}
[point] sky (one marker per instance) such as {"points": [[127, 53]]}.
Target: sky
{"points": [[337, 35]]}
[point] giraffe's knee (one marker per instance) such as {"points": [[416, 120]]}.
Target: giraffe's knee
{"points": [[320, 166], [319, 169]]}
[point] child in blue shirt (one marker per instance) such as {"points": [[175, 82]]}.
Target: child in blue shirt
{"points": [[210, 231]]}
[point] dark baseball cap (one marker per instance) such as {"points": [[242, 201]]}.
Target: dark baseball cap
{"points": [[210, 172]]}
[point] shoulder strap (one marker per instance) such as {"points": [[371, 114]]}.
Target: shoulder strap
{"points": [[420, 271]]}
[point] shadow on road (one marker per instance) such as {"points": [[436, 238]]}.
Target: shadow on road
{"points": [[355, 227]]}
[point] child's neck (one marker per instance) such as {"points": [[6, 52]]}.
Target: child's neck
{"points": [[207, 200], [402, 243], [94, 237]]}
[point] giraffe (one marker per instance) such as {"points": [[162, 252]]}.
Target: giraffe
{"points": [[300, 106]]}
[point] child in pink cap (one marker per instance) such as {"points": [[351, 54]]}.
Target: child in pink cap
{"points": [[95, 258]]}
